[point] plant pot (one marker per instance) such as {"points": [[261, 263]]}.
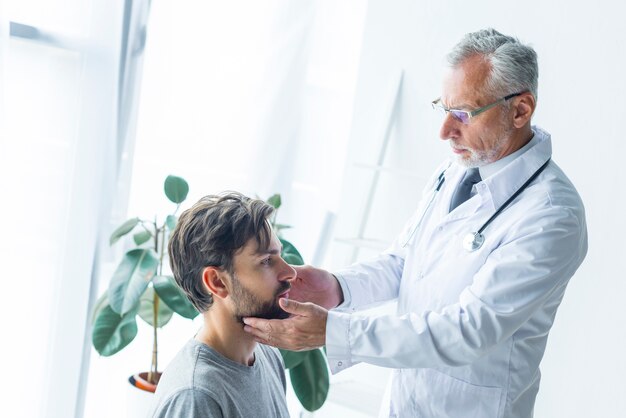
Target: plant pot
{"points": [[140, 380], [140, 395]]}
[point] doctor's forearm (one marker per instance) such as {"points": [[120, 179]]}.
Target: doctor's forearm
{"points": [[370, 282], [393, 341]]}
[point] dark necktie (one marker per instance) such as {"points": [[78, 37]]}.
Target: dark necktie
{"points": [[464, 189]]}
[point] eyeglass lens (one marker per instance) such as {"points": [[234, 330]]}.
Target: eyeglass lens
{"points": [[459, 115], [463, 117]]}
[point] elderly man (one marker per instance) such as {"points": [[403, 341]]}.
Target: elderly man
{"points": [[480, 269]]}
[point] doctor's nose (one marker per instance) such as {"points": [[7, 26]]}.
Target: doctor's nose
{"points": [[449, 127]]}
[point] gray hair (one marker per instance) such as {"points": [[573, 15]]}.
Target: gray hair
{"points": [[513, 65]]}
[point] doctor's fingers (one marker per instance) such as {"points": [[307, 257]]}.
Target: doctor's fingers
{"points": [[305, 270], [288, 334], [310, 276], [268, 331]]}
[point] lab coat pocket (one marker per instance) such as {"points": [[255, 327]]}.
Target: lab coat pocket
{"points": [[439, 395]]}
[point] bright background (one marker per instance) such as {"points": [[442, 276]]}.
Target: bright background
{"points": [[101, 99]]}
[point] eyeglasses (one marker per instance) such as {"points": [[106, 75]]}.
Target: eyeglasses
{"points": [[464, 116]]}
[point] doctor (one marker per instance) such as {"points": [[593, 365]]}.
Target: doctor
{"points": [[480, 269]]}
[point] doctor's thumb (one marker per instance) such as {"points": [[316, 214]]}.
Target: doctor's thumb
{"points": [[292, 306]]}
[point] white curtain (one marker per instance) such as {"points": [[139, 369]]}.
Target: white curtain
{"points": [[59, 160]]}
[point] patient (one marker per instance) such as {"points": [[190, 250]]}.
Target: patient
{"points": [[226, 258]]}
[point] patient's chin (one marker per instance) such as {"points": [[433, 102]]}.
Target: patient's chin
{"points": [[275, 312], [269, 312]]}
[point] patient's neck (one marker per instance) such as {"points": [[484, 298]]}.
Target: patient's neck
{"points": [[223, 333]]}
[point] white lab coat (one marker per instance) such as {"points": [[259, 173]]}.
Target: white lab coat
{"points": [[471, 328]]}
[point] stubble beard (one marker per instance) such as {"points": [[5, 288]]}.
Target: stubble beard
{"points": [[248, 304]]}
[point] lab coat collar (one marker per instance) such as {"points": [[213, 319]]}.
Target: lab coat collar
{"points": [[498, 187]]}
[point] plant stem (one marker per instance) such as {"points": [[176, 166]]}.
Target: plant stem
{"points": [[155, 317], [152, 376], [156, 236], [162, 252]]}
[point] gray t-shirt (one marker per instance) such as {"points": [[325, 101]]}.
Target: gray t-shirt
{"points": [[200, 382]]}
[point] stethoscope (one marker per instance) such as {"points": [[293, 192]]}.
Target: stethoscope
{"points": [[438, 183], [474, 240]]}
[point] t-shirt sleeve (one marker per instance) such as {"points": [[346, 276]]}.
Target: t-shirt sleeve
{"points": [[189, 403]]}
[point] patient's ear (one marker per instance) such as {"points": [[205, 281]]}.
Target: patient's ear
{"points": [[213, 279]]}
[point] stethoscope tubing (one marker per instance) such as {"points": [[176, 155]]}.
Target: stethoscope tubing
{"points": [[513, 196], [440, 180], [478, 235]]}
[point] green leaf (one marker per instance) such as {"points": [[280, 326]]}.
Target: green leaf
{"points": [[102, 301], [112, 332], [293, 259], [131, 279], [170, 221], [289, 248], [173, 296], [142, 236], [274, 201], [310, 380], [293, 358], [176, 189], [290, 254], [146, 309], [123, 229]]}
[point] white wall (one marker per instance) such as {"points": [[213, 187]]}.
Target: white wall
{"points": [[581, 102]]}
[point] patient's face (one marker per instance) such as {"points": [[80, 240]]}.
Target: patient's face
{"points": [[261, 278]]}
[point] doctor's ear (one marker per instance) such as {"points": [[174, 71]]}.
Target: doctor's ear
{"points": [[523, 108], [213, 279]]}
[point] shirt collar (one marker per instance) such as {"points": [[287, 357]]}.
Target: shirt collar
{"points": [[513, 173], [490, 169]]}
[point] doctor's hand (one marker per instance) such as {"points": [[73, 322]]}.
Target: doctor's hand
{"points": [[316, 285], [304, 330]]}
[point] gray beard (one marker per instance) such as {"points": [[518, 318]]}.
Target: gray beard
{"points": [[484, 157]]}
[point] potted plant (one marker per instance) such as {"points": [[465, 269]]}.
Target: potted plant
{"points": [[139, 287]]}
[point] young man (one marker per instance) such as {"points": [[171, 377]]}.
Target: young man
{"points": [[226, 258]]}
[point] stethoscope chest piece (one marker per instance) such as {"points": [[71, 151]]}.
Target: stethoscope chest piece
{"points": [[473, 241]]}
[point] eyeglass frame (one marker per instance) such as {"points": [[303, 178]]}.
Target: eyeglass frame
{"points": [[436, 104]]}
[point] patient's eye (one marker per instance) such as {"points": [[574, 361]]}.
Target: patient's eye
{"points": [[266, 261]]}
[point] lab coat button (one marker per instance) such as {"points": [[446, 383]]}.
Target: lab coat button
{"points": [[339, 363]]}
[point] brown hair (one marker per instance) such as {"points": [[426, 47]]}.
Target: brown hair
{"points": [[209, 234]]}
